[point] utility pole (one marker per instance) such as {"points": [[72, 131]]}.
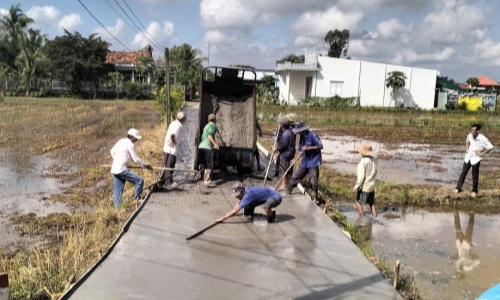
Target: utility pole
{"points": [[168, 105], [208, 56]]}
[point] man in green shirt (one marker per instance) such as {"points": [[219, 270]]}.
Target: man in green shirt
{"points": [[206, 144]]}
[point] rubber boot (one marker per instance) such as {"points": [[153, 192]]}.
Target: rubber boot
{"points": [[272, 218], [207, 177]]}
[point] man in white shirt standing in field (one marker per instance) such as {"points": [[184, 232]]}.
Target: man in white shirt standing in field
{"points": [[122, 152], [170, 149], [476, 146]]}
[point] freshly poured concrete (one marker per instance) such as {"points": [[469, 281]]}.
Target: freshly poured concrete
{"points": [[302, 256]]}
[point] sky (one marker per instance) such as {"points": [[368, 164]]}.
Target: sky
{"points": [[459, 38]]}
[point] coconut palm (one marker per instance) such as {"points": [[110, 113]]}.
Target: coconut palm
{"points": [[13, 24], [30, 62], [187, 66]]}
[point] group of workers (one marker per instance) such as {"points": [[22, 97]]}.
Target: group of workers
{"points": [[309, 148]]}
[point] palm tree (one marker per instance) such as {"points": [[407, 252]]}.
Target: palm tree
{"points": [[395, 81], [187, 65], [14, 24], [30, 60]]}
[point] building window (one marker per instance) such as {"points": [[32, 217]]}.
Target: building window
{"points": [[336, 87]]}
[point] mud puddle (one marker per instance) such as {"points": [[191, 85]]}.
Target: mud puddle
{"points": [[24, 187], [452, 255], [399, 163]]}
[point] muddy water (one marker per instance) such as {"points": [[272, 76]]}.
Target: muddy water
{"points": [[453, 255], [400, 163], [24, 187]]}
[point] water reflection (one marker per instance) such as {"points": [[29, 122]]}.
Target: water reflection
{"points": [[467, 259], [445, 265]]}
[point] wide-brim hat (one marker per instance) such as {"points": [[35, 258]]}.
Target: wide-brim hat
{"points": [[365, 150], [135, 133], [300, 127], [237, 188]]}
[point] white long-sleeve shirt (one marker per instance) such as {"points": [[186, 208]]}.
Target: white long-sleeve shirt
{"points": [[122, 152], [367, 171]]}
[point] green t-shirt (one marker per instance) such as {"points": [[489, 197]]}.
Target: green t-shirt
{"points": [[209, 129]]}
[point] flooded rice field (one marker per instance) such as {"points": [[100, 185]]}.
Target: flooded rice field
{"points": [[453, 255], [25, 185], [399, 163]]}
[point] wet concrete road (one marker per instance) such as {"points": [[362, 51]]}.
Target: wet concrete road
{"points": [[302, 256]]}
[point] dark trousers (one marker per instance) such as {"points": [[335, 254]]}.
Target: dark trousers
{"points": [[169, 162], [312, 173], [475, 176]]}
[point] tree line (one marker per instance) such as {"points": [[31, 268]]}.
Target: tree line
{"points": [[32, 61]]}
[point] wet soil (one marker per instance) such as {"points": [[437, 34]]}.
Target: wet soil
{"points": [[410, 163]]}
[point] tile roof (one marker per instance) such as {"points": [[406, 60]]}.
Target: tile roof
{"points": [[127, 57], [485, 81]]}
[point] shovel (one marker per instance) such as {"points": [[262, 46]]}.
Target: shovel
{"points": [[270, 159]]}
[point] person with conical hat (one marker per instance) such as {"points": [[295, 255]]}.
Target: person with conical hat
{"points": [[365, 183], [310, 145]]}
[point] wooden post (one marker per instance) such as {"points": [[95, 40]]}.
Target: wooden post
{"points": [[168, 105], [4, 286], [396, 274]]}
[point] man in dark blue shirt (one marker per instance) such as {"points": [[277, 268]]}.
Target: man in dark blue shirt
{"points": [[310, 145], [286, 149], [251, 197]]}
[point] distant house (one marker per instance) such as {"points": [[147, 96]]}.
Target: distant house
{"points": [[125, 62], [326, 77], [488, 84]]}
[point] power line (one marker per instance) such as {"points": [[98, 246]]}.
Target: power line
{"points": [[137, 27], [103, 26], [142, 25]]}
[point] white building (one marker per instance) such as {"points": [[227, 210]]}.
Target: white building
{"points": [[326, 77]]}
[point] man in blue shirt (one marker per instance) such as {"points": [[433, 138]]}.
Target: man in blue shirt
{"points": [[310, 145], [286, 149], [251, 197]]}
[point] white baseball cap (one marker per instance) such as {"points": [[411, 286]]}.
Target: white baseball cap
{"points": [[135, 133]]}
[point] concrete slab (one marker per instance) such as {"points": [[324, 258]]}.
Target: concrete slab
{"points": [[303, 255]]}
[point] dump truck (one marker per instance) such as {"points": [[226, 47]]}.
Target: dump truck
{"points": [[230, 94]]}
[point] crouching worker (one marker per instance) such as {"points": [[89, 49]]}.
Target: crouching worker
{"points": [[251, 197]]}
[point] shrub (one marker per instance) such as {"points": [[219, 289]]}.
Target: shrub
{"points": [[331, 102]]}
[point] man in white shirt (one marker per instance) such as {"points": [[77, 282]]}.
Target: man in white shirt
{"points": [[122, 152], [476, 146], [170, 149]]}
